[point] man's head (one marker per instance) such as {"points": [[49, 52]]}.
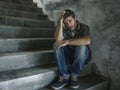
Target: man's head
{"points": [[69, 19]]}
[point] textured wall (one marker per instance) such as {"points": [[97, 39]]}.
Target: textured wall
{"points": [[103, 18]]}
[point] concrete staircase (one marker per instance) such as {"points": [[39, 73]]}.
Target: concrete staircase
{"points": [[26, 54]]}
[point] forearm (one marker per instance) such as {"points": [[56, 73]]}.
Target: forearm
{"points": [[59, 28], [59, 31], [80, 41]]}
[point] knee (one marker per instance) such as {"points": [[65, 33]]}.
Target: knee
{"points": [[57, 49], [80, 49]]}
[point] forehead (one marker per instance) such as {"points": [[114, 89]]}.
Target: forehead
{"points": [[68, 19]]}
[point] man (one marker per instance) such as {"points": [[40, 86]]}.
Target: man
{"points": [[71, 46]]}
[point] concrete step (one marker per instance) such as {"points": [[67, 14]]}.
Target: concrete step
{"points": [[22, 2], [31, 78], [20, 7], [24, 32], [25, 44], [15, 21], [22, 14], [18, 60], [88, 82], [27, 79]]}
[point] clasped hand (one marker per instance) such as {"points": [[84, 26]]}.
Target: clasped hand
{"points": [[61, 43]]}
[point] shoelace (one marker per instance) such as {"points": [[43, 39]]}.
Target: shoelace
{"points": [[61, 78], [74, 77]]}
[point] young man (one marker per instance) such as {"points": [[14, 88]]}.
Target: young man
{"points": [[71, 46]]}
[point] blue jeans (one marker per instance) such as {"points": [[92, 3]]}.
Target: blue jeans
{"points": [[76, 56]]}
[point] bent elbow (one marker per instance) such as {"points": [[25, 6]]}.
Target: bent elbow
{"points": [[88, 42]]}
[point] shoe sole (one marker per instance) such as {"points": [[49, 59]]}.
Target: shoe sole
{"points": [[56, 88], [74, 87]]}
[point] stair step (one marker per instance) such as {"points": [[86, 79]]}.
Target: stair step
{"points": [[20, 7], [18, 60], [27, 79], [15, 21], [31, 78], [25, 44], [22, 2], [24, 32], [17, 13], [88, 82]]}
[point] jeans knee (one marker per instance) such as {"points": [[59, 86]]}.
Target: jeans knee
{"points": [[80, 49], [58, 50], [81, 52]]}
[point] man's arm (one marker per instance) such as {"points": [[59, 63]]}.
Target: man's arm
{"points": [[59, 28], [79, 41]]}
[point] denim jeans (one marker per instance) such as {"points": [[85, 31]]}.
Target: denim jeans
{"points": [[73, 55]]}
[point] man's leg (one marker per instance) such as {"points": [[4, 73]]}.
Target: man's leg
{"points": [[62, 68], [81, 54], [61, 60]]}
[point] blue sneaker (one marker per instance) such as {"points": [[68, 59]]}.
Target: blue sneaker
{"points": [[62, 81], [74, 82]]}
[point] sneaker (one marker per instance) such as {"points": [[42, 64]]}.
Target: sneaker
{"points": [[63, 81], [74, 82]]}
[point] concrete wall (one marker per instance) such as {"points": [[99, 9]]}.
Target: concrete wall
{"points": [[103, 18]]}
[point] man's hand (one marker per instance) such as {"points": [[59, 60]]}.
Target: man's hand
{"points": [[61, 16], [61, 43]]}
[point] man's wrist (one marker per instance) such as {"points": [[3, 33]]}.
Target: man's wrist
{"points": [[61, 20], [67, 42]]}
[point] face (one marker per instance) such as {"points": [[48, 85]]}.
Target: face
{"points": [[70, 22]]}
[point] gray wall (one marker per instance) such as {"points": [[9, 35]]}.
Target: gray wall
{"points": [[103, 18]]}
